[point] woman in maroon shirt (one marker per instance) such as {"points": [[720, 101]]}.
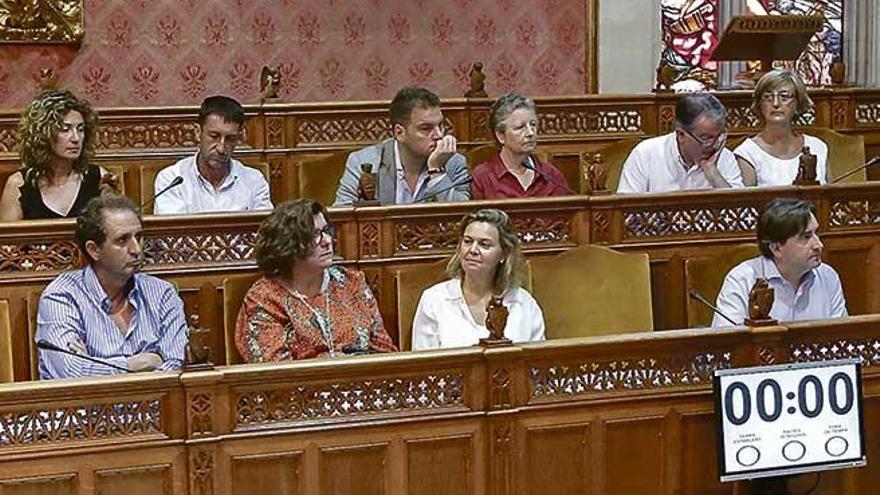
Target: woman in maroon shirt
{"points": [[515, 172]]}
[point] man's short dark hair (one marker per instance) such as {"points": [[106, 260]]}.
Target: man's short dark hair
{"points": [[691, 106], [229, 109], [90, 224], [782, 219], [409, 98]]}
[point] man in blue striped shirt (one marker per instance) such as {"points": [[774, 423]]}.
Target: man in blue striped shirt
{"points": [[108, 310]]}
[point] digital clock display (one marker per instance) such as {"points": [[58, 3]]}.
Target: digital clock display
{"points": [[794, 418]]}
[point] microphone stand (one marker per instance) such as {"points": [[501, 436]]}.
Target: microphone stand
{"points": [[867, 164], [48, 346], [697, 297]]}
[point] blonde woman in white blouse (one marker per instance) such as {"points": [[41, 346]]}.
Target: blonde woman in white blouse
{"points": [[771, 157], [487, 262]]}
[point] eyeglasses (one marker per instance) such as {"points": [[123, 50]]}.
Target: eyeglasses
{"points": [[706, 143], [524, 128], [328, 230], [784, 96]]}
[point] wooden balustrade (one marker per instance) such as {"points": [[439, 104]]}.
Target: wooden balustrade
{"points": [[608, 415], [198, 252], [283, 134]]}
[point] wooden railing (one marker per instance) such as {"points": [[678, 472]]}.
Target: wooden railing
{"points": [[199, 252], [611, 415], [284, 134]]}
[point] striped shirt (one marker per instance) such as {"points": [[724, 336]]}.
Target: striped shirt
{"points": [[75, 306]]}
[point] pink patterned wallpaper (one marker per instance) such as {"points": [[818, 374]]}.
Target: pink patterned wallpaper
{"points": [[167, 52]]}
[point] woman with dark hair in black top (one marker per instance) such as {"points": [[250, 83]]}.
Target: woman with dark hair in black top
{"points": [[58, 133]]}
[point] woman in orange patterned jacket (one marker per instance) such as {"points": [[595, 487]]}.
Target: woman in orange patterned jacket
{"points": [[303, 306]]}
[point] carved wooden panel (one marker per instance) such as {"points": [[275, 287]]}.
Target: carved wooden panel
{"points": [[543, 230], [432, 235], [440, 462], [348, 399], [699, 454], [551, 381], [354, 470], [267, 474], [61, 484], [500, 389], [854, 213], [689, 222], [199, 248], [590, 121], [622, 461], [600, 226], [275, 132], [201, 471], [361, 129], [9, 138], [558, 457], [156, 135], [480, 126], [200, 417], [369, 240], [141, 480], [501, 455], [867, 112], [59, 424], [824, 350], [37, 256]]}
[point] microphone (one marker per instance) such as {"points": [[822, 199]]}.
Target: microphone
{"points": [[467, 180], [696, 295], [867, 164], [528, 163], [174, 183], [48, 346]]}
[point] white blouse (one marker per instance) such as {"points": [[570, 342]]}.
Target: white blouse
{"points": [[443, 319], [772, 171]]}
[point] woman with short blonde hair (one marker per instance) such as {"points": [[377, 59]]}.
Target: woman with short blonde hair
{"points": [[771, 158]]}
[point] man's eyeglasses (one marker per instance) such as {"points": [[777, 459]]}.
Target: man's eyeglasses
{"points": [[784, 96], [706, 143], [328, 230]]}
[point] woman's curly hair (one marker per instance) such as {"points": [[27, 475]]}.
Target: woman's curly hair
{"points": [[286, 235], [40, 124]]}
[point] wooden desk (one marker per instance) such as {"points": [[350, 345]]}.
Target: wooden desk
{"points": [[613, 415], [198, 252]]}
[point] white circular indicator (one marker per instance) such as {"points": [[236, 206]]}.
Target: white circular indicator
{"points": [[748, 456], [836, 446], [794, 451]]}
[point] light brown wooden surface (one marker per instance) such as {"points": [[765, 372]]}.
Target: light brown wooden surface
{"points": [[624, 415], [198, 252]]}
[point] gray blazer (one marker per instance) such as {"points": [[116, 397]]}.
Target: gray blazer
{"points": [[454, 185]]}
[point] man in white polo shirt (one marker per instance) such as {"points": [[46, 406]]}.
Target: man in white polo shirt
{"points": [[691, 157], [213, 181]]}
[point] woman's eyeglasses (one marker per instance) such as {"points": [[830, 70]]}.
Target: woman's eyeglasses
{"points": [[783, 96], [328, 230]]}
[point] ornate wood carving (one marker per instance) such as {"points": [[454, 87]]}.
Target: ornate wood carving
{"points": [[543, 230], [9, 139], [275, 132], [501, 455], [589, 121], [600, 227], [767, 355], [551, 381], [480, 125], [426, 235], [666, 118], [51, 424], [500, 389], [868, 113], [36, 257], [367, 129], [201, 471], [139, 135], [369, 240], [53, 483], [854, 213], [824, 350], [686, 221], [284, 404], [839, 109], [200, 418], [199, 248]]}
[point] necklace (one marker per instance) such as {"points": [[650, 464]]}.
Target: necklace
{"points": [[323, 321]]}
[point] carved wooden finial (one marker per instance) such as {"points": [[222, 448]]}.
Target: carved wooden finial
{"points": [[198, 354], [496, 322], [270, 80], [595, 175], [806, 175], [760, 303], [478, 82], [47, 78]]}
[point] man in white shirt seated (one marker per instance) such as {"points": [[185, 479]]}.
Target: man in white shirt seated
{"points": [[419, 164], [213, 181], [791, 261], [691, 157]]}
